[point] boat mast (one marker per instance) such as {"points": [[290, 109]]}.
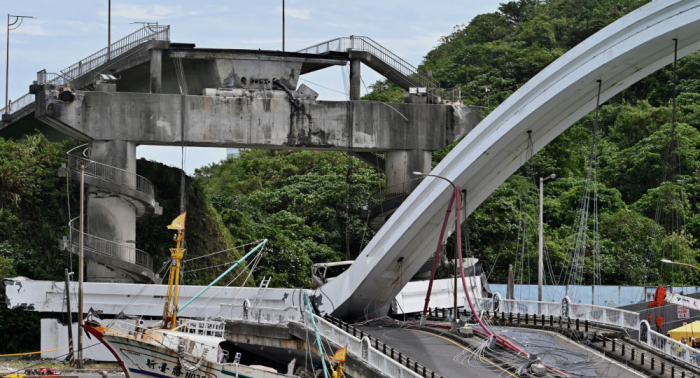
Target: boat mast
{"points": [[176, 254]]}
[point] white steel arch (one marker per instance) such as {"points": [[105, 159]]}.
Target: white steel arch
{"points": [[619, 55]]}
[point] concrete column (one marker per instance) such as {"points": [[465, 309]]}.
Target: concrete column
{"points": [[109, 216], [156, 75], [399, 167], [355, 79]]}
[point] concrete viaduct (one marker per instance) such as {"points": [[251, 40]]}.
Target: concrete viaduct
{"points": [[176, 94]]}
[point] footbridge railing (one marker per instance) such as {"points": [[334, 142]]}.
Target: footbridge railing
{"points": [[411, 73], [598, 314], [667, 345], [147, 33], [86, 65]]}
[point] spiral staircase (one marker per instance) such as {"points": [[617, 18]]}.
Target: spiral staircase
{"points": [[134, 264]]}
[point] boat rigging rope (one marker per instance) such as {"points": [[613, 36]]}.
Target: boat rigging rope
{"points": [[348, 219], [251, 269], [671, 149], [222, 251], [576, 250]]}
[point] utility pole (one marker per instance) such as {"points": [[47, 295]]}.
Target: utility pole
{"points": [[69, 311], [80, 267], [109, 29], [7, 62], [283, 26], [540, 262]]}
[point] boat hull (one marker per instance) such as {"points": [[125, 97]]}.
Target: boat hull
{"points": [[144, 360]]}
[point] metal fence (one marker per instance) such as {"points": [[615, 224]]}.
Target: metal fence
{"points": [[604, 315], [451, 95], [530, 307], [358, 43], [19, 103], [106, 247], [387, 366], [593, 313], [43, 77], [668, 346], [109, 173]]}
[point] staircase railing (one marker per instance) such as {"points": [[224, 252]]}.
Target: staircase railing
{"points": [[82, 67], [358, 43], [109, 173], [107, 247], [19, 103], [147, 33]]}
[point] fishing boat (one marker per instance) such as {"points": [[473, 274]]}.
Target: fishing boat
{"points": [[175, 348]]}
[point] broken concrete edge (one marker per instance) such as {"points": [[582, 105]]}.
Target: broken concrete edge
{"points": [[16, 281]]}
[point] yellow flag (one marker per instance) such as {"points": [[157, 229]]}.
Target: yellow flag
{"points": [[179, 222], [340, 354]]}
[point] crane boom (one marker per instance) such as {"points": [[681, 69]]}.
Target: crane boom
{"points": [[663, 296]]}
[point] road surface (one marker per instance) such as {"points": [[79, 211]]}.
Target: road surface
{"points": [[450, 359]]}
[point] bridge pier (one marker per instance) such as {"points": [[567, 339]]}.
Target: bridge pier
{"points": [[355, 79], [399, 168], [109, 216]]}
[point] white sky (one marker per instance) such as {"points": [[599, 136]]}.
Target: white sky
{"points": [[65, 32]]}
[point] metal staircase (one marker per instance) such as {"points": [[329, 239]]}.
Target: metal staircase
{"points": [[135, 189], [386, 63]]}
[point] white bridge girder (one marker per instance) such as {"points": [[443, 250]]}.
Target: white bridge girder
{"points": [[619, 55]]}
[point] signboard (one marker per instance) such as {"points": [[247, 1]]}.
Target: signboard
{"points": [[683, 312]]}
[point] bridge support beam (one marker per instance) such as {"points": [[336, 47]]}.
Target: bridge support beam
{"points": [[355, 79], [109, 216]]}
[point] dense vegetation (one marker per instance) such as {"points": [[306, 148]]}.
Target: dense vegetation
{"points": [[34, 213], [647, 172], [308, 203]]}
